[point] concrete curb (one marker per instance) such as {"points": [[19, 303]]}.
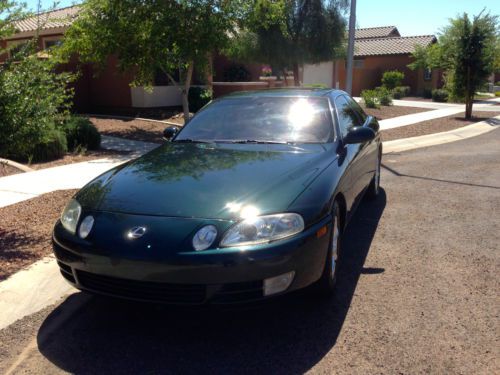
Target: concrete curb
{"points": [[465, 132], [30, 290], [21, 167]]}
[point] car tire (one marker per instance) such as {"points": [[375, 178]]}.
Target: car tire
{"points": [[326, 284], [374, 187]]}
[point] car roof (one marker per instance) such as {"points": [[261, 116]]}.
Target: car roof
{"points": [[286, 92]]}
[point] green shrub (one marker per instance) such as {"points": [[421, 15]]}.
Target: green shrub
{"points": [[497, 93], [370, 98], [392, 79], [236, 73], [439, 95], [497, 83], [198, 97], [54, 147], [400, 92], [33, 102], [80, 132], [315, 86], [384, 95], [427, 94]]}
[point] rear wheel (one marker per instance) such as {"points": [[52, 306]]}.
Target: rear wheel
{"points": [[374, 188], [326, 284]]}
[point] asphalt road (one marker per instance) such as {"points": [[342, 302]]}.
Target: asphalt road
{"points": [[418, 294]]}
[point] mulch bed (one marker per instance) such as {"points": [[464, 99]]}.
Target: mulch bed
{"points": [[138, 130], [385, 112], [436, 125], [25, 230]]}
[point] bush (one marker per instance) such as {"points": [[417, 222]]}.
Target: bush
{"points": [[33, 102], [400, 92], [384, 95], [427, 94], [315, 86], [392, 79], [198, 97], [497, 93], [439, 95], [236, 73], [80, 132], [54, 147], [370, 98]]}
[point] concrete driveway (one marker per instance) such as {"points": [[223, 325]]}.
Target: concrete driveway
{"points": [[418, 293]]}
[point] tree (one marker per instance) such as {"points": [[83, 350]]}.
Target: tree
{"points": [[467, 51], [289, 33], [152, 36]]}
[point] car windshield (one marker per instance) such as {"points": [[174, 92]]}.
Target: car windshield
{"points": [[261, 120]]}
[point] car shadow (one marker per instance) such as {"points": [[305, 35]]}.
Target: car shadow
{"points": [[287, 335]]}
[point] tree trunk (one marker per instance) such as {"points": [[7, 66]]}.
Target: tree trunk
{"points": [[296, 74], [210, 72], [185, 91]]}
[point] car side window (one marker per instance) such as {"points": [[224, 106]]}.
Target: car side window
{"points": [[359, 111], [346, 115]]}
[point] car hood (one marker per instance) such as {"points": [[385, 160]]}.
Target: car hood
{"points": [[212, 180]]}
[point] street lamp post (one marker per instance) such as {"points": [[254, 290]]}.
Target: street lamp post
{"points": [[350, 47]]}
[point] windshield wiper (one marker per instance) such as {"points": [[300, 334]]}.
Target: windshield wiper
{"points": [[189, 140], [251, 141]]}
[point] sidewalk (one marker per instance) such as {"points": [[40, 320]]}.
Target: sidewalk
{"points": [[440, 110], [23, 186]]}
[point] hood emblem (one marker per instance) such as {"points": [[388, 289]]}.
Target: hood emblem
{"points": [[136, 232]]}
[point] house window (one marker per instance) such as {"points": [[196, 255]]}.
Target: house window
{"points": [[427, 74], [51, 42], [358, 63], [16, 46]]}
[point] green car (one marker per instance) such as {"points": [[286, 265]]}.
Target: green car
{"points": [[248, 201]]}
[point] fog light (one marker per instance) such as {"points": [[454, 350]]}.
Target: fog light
{"points": [[86, 226], [278, 284]]}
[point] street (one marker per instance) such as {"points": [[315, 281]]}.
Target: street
{"points": [[418, 293]]}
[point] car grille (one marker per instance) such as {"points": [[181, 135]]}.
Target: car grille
{"points": [[143, 290]]}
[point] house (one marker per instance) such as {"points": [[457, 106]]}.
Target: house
{"points": [[376, 50]]}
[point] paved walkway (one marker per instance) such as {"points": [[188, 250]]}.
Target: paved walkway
{"points": [[440, 110], [23, 186]]}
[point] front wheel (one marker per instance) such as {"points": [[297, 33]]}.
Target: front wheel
{"points": [[326, 284], [374, 187]]}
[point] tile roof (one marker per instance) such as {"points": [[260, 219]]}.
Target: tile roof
{"points": [[49, 20], [391, 46], [376, 32]]}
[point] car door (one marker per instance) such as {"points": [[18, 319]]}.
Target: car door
{"points": [[368, 154], [347, 119]]}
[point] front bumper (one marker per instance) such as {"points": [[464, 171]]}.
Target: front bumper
{"points": [[229, 275]]}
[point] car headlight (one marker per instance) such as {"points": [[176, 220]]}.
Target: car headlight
{"points": [[70, 215], [263, 229], [204, 237]]}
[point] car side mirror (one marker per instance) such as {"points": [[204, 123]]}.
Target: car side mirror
{"points": [[170, 132], [359, 134]]}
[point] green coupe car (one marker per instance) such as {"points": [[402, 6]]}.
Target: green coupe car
{"points": [[248, 201]]}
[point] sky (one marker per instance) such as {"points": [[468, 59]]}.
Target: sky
{"points": [[411, 17]]}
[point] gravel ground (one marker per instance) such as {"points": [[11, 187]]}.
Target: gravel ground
{"points": [[7, 170], [385, 112], [25, 230], [436, 125], [418, 293], [138, 130]]}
